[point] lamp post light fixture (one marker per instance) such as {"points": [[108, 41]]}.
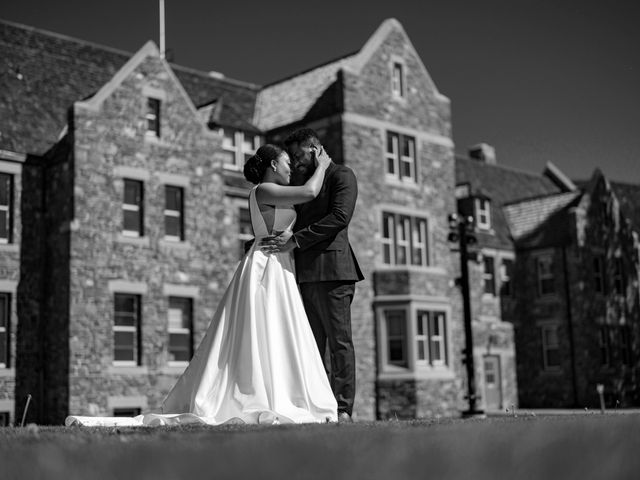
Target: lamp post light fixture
{"points": [[462, 233]]}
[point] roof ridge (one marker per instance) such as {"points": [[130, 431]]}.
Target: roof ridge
{"points": [[542, 197], [501, 166], [303, 72], [240, 83]]}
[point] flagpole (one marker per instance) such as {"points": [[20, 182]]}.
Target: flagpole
{"points": [[162, 42]]}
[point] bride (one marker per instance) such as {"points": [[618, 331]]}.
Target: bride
{"points": [[258, 361]]}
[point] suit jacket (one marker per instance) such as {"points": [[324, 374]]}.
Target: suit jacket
{"points": [[321, 230]]}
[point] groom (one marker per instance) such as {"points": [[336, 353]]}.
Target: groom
{"points": [[326, 266]]}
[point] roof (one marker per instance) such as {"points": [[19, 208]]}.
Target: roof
{"points": [[541, 221], [502, 185], [289, 100], [43, 73]]}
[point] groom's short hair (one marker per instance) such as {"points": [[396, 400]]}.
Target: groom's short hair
{"points": [[301, 135]]}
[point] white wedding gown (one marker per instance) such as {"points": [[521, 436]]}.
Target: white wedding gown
{"points": [[258, 361]]}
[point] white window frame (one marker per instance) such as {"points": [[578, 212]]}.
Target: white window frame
{"points": [[153, 116], [505, 277], [238, 148], [542, 276], [407, 225], [130, 207], [414, 313], [8, 208], [180, 331], [553, 329], [398, 79], [136, 329], [398, 159], [483, 213], [174, 213]]}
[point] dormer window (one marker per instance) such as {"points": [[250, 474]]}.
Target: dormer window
{"points": [[153, 117], [397, 80], [483, 213], [238, 146]]}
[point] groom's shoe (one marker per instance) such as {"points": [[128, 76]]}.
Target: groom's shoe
{"points": [[344, 417]]}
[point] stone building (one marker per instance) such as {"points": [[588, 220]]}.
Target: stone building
{"points": [[559, 263]]}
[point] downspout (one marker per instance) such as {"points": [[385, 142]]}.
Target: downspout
{"points": [[572, 349]]}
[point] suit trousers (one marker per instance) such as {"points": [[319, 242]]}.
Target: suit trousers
{"points": [[328, 307]]}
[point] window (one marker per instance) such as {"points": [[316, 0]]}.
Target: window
{"points": [[618, 276], [605, 347], [544, 268], [550, 347], [401, 157], [397, 80], [489, 275], [153, 117], [413, 337], [133, 208], [396, 322], [245, 232], [238, 147], [598, 274], [404, 240], [483, 213], [5, 329], [4, 419], [126, 329], [506, 274], [6, 207], [430, 338], [173, 213], [180, 330], [127, 412]]}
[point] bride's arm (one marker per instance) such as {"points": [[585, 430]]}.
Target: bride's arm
{"points": [[284, 195]]}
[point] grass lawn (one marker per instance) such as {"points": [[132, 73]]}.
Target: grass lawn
{"points": [[565, 447]]}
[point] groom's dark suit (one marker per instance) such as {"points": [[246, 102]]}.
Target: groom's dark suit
{"points": [[327, 270]]}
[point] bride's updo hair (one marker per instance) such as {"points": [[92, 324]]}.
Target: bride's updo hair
{"points": [[256, 166]]}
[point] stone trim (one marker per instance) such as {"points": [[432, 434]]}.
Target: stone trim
{"points": [[9, 286], [125, 286], [7, 372], [14, 156], [365, 121], [422, 299], [157, 93], [133, 401], [174, 290], [10, 167], [134, 173], [174, 244], [397, 59], [140, 241], [127, 370], [9, 247], [173, 179]]}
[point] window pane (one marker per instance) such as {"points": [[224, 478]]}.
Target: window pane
{"points": [[395, 322], [173, 226], [173, 198], [179, 347], [3, 347], [229, 138], [123, 346], [5, 189], [4, 419], [126, 412], [421, 350], [229, 157], [4, 224], [132, 191], [408, 147], [420, 323], [392, 143], [126, 310], [179, 312], [131, 221], [4, 310]]}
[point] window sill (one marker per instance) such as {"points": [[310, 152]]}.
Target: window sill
{"points": [[9, 247], [395, 182], [152, 139], [139, 241], [174, 244], [420, 373], [173, 369], [7, 372], [232, 168], [411, 268], [127, 370]]}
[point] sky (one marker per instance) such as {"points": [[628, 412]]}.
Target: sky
{"points": [[539, 80]]}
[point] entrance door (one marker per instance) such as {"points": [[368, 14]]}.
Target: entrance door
{"points": [[492, 382]]}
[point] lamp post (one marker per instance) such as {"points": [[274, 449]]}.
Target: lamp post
{"points": [[462, 233]]}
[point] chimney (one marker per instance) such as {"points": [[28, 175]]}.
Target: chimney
{"points": [[483, 152]]}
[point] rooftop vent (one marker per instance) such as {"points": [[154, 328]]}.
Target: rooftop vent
{"points": [[483, 152]]}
